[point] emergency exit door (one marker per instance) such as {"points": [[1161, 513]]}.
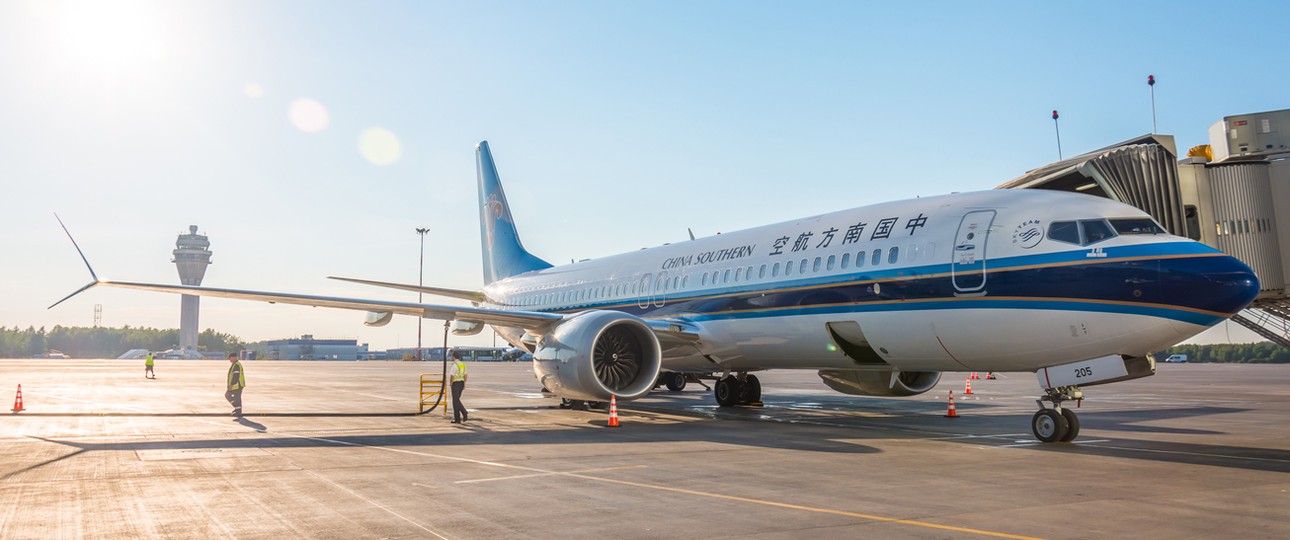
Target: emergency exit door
{"points": [[968, 269]]}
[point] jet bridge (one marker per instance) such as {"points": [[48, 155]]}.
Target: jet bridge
{"points": [[1231, 204]]}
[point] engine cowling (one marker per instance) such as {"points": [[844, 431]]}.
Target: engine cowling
{"points": [[880, 383], [596, 355], [378, 318]]}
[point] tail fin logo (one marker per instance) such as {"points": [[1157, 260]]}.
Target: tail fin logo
{"points": [[493, 211]]}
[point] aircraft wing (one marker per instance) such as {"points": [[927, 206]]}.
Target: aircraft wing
{"points": [[473, 296], [533, 321]]}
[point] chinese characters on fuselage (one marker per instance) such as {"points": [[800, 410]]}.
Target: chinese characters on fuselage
{"points": [[805, 240]]}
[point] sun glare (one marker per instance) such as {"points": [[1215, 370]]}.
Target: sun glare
{"points": [[379, 146], [308, 115], [107, 37]]}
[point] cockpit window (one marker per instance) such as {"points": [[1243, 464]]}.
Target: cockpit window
{"points": [[1064, 231], [1096, 230], [1084, 232], [1136, 226]]}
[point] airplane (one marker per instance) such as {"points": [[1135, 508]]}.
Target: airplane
{"points": [[879, 300]]}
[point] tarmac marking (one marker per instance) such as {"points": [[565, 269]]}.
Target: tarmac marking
{"points": [[535, 475], [376, 504], [543, 472]]}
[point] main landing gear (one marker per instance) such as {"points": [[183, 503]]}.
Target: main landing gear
{"points": [[1058, 423], [738, 389]]}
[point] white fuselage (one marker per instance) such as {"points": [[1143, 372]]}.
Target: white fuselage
{"points": [[963, 282]]}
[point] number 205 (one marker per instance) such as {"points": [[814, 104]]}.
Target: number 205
{"points": [[1084, 372]]}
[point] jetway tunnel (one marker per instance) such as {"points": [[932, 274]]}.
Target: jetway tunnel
{"points": [[1231, 204]]}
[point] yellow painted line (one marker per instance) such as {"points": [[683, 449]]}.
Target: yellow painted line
{"points": [[542, 472], [810, 508]]}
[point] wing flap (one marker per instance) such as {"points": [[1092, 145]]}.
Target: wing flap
{"points": [[473, 296]]}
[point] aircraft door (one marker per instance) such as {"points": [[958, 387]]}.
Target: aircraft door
{"points": [[968, 268], [644, 294], [660, 289]]}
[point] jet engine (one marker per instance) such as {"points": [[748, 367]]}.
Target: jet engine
{"points": [[887, 383], [596, 355]]}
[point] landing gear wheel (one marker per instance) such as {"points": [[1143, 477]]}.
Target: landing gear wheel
{"points": [[1072, 428], [1049, 425], [676, 382], [750, 391], [728, 391]]}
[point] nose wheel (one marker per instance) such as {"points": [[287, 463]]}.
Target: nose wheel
{"points": [[1057, 424]]}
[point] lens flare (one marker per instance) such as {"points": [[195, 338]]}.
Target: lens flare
{"points": [[253, 90], [308, 115], [379, 146]]}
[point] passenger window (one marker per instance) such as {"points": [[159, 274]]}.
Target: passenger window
{"points": [[1064, 231], [1095, 230], [860, 259], [774, 270], [832, 259], [788, 269], [801, 269], [877, 257], [738, 272], [816, 267], [748, 272], [761, 274], [892, 255], [846, 260], [685, 281], [725, 276], [704, 281]]}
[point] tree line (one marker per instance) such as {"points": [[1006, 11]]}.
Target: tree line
{"points": [[1235, 353], [101, 342]]}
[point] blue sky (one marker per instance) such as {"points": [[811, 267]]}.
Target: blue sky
{"points": [[616, 125]]}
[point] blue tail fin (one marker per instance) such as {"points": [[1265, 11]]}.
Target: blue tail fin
{"points": [[504, 255]]}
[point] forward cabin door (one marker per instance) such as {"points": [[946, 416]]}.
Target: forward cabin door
{"points": [[968, 269]]}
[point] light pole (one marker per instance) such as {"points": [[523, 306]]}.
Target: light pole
{"points": [[421, 270]]}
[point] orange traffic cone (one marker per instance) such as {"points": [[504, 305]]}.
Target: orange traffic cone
{"points": [[17, 401], [990, 376], [974, 376], [968, 389], [951, 413], [613, 411]]}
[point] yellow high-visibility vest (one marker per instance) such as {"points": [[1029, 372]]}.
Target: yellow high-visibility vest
{"points": [[459, 371]]}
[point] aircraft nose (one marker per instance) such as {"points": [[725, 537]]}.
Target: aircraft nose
{"points": [[1220, 284]]}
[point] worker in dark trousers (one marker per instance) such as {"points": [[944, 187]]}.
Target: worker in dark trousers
{"points": [[236, 383], [458, 385]]}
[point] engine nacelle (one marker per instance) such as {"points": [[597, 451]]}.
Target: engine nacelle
{"points": [[596, 355], [465, 328], [880, 383], [378, 318]]}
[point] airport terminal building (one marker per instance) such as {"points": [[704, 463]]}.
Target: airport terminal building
{"points": [[308, 348]]}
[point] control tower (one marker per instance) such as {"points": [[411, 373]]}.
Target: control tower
{"points": [[192, 256]]}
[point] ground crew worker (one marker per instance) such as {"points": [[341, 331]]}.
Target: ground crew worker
{"points": [[147, 367], [236, 382], [458, 384]]}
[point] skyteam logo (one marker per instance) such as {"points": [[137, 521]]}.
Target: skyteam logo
{"points": [[1028, 234]]}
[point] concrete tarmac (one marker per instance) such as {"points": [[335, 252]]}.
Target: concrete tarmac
{"points": [[333, 450]]}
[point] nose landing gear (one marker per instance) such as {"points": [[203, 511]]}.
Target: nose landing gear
{"points": [[1057, 424]]}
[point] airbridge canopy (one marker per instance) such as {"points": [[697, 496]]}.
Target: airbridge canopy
{"points": [[1139, 172]]}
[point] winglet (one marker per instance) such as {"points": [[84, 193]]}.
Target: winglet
{"points": [[85, 260]]}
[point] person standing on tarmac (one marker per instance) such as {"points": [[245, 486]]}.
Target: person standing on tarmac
{"points": [[147, 367], [236, 383], [458, 385]]}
